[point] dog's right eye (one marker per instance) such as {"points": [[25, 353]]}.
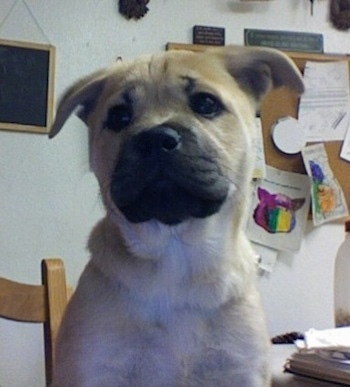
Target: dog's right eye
{"points": [[118, 117], [206, 105]]}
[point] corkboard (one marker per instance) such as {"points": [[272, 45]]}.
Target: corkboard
{"points": [[280, 103]]}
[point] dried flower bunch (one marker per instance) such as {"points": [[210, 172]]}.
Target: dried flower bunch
{"points": [[133, 9], [340, 14]]}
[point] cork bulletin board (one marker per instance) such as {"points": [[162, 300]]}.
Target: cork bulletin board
{"points": [[280, 103]]}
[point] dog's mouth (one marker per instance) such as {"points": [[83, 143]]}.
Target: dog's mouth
{"points": [[162, 174], [167, 202]]}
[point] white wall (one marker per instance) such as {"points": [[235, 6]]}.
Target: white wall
{"points": [[49, 200]]}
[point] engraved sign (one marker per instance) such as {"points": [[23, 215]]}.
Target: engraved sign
{"points": [[212, 36], [284, 40]]}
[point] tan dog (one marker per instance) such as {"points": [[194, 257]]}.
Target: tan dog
{"points": [[168, 297]]}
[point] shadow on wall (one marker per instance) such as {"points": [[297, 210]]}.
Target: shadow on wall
{"points": [[262, 6], [248, 7]]}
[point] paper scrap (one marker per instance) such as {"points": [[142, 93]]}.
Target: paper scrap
{"points": [[267, 257], [335, 338], [259, 171], [345, 150]]}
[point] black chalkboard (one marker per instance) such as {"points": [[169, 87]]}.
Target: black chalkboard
{"points": [[26, 86]]}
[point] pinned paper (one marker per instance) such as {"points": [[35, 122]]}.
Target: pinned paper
{"points": [[324, 105], [327, 197], [259, 171], [345, 150], [279, 210]]}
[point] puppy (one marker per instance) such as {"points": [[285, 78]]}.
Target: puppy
{"points": [[168, 297]]}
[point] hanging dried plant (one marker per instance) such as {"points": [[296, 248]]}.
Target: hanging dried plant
{"points": [[340, 14], [133, 9]]}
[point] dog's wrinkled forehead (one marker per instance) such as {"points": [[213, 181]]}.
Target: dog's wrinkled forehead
{"points": [[228, 70], [168, 73], [171, 63], [161, 86]]}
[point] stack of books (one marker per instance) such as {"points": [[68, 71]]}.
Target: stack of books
{"points": [[323, 355]]}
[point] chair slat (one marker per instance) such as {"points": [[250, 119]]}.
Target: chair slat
{"points": [[54, 279], [22, 302], [43, 303]]}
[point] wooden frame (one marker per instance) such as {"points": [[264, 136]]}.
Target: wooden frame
{"points": [[26, 86], [280, 103]]}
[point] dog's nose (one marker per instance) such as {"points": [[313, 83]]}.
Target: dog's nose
{"points": [[159, 139]]}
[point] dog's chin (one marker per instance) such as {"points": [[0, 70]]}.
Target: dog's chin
{"points": [[169, 204]]}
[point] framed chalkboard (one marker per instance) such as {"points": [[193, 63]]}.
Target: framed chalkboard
{"points": [[26, 86]]}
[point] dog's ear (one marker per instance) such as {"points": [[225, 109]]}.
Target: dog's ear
{"points": [[84, 93], [258, 70]]}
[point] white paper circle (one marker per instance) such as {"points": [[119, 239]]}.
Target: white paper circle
{"points": [[288, 135]]}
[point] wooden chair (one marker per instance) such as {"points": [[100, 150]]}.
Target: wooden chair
{"points": [[43, 303]]}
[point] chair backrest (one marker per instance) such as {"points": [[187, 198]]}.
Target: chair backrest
{"points": [[43, 303]]}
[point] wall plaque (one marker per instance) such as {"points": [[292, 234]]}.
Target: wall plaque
{"points": [[285, 40], [212, 36]]}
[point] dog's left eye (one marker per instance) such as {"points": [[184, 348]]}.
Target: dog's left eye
{"points": [[118, 117], [206, 104]]}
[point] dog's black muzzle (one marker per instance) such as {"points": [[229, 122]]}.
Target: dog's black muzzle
{"points": [[164, 173]]}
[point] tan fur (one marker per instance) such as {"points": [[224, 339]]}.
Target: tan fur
{"points": [[172, 304]]}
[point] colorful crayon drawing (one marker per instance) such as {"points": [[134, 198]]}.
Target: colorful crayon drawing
{"points": [[279, 209], [324, 195], [327, 197], [275, 213]]}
